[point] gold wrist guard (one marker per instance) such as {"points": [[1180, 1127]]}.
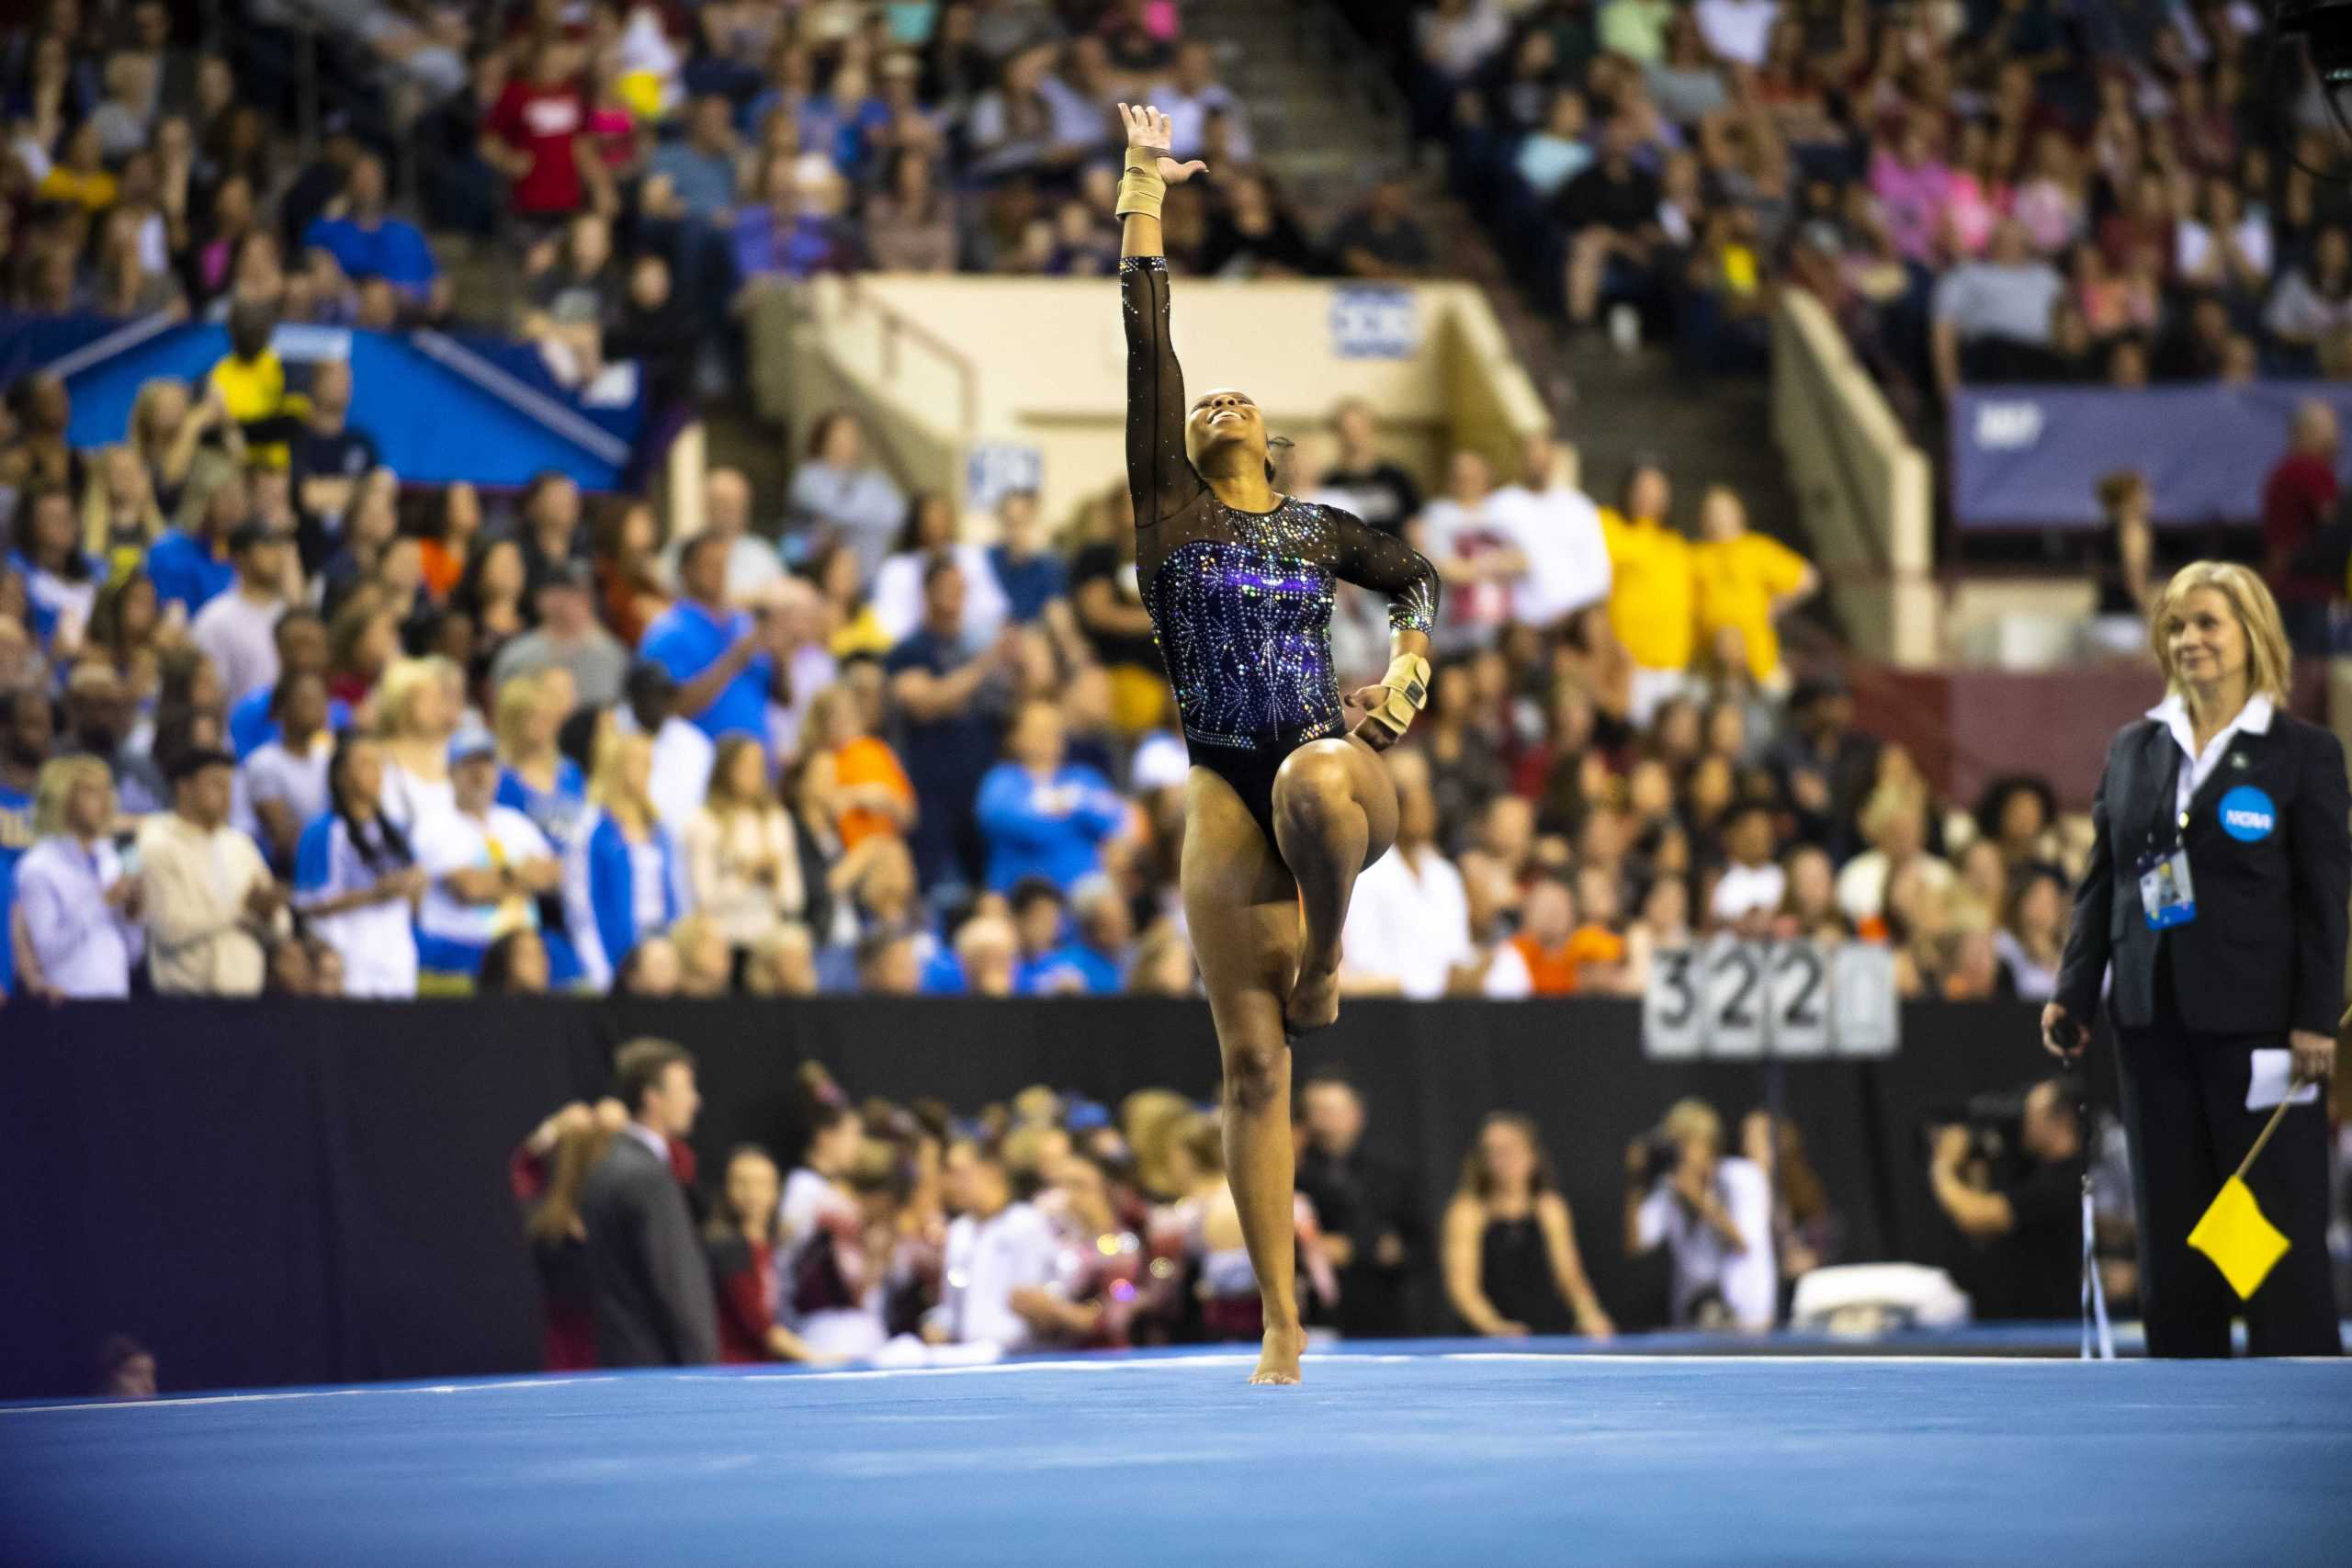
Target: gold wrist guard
{"points": [[1141, 188], [1408, 683]]}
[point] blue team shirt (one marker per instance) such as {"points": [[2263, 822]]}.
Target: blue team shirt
{"points": [[1029, 585], [186, 572], [689, 639], [392, 250]]}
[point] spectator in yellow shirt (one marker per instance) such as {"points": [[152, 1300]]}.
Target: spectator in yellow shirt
{"points": [[251, 380], [1747, 581], [1650, 591]]}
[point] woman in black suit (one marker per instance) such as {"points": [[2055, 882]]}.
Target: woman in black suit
{"points": [[2224, 973]]}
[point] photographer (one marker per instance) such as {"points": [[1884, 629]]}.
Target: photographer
{"points": [[2014, 1191], [1713, 1213]]}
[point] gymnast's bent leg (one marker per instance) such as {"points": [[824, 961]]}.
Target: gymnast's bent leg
{"points": [[1335, 813], [1242, 910]]}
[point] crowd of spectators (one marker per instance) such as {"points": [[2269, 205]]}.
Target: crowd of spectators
{"points": [[304, 731], [1998, 190], [884, 1232]]}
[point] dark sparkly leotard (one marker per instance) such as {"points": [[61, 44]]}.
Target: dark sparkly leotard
{"points": [[1240, 602]]}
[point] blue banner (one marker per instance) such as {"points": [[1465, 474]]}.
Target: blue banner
{"points": [[441, 407], [2031, 457]]}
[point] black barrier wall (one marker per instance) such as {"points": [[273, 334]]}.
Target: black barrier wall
{"points": [[291, 1192]]}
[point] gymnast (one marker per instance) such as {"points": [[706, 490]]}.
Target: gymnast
{"points": [[1285, 802]]}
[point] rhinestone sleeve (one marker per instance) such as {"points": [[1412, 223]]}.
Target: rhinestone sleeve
{"points": [[1159, 476]]}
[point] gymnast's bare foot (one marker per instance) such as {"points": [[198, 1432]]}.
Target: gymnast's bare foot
{"points": [[1278, 1360], [1314, 1000]]}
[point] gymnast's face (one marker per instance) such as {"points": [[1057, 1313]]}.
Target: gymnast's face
{"points": [[1219, 418]]}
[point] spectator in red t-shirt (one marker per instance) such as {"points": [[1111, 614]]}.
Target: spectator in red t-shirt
{"points": [[2302, 557], [537, 134], [740, 1241]]}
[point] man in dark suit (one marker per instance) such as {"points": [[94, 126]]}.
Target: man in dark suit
{"points": [[649, 1285], [1370, 1218]]}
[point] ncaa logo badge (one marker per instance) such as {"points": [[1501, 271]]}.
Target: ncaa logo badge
{"points": [[2247, 815]]}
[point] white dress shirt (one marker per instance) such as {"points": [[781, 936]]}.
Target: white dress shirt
{"points": [[2198, 766], [84, 948], [1409, 919], [987, 1260]]}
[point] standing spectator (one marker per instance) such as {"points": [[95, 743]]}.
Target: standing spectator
{"points": [[2303, 556], [929, 534], [682, 754], [238, 629], [1372, 1227], [1409, 922], [286, 778], [1034, 580], [1106, 594], [837, 494], [1825, 766], [752, 565], [1385, 494], [622, 879], [191, 569], [1744, 582], [650, 1281], [947, 710], [550, 533], [742, 855], [1653, 589], [1472, 535], [75, 921], [489, 866], [1042, 813], [210, 899], [568, 636], [997, 1247], [61, 581], [1559, 529], [854, 781], [1512, 1265], [299, 641], [534, 777], [719, 660], [1382, 239], [356, 881], [121, 520], [1713, 1213], [26, 728], [417, 713], [533, 136]]}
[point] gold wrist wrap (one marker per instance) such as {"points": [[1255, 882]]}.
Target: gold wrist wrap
{"points": [[1408, 683], [1141, 188]]}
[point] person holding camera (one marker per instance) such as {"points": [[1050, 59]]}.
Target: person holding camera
{"points": [[2017, 1196], [1713, 1213], [2216, 887]]}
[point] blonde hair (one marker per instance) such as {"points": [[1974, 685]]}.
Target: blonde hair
{"points": [[2270, 667], [98, 506], [396, 692], [518, 703], [609, 788], [1688, 1120], [54, 786], [721, 798]]}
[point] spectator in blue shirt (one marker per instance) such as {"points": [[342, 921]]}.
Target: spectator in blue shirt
{"points": [[1040, 967], [700, 166], [367, 241], [1032, 577], [623, 881], [719, 658], [301, 639], [192, 569], [945, 699], [797, 229], [1105, 941], [1043, 815]]}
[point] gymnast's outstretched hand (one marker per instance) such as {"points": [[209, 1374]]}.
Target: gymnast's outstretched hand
{"points": [[1149, 130]]}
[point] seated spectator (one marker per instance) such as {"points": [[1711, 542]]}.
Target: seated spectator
{"points": [[742, 855], [986, 949], [491, 599], [1559, 150], [121, 517], [752, 565], [2313, 302], [1546, 945], [209, 900], [719, 658], [1099, 947], [191, 569], [237, 630], [795, 228], [285, 777], [1040, 814], [1809, 901], [930, 534], [837, 493], [1894, 822], [1252, 236], [515, 966], [566, 636], [1611, 213], [622, 876], [784, 966], [299, 641], [1457, 37], [43, 411], [996, 1246], [61, 581], [489, 867], [1713, 1213], [706, 964], [1753, 885], [1034, 580], [1382, 239], [1509, 1249], [356, 881], [1409, 920], [569, 299], [1987, 310], [632, 591], [1109, 608], [1746, 581], [534, 777], [889, 964], [74, 923], [367, 241], [947, 696], [1040, 967], [2199, 348], [701, 164], [2032, 935], [910, 223]]}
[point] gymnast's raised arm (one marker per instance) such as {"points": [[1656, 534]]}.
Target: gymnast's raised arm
{"points": [[1159, 476]]}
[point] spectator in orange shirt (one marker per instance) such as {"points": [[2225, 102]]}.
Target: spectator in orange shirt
{"points": [[1546, 939], [855, 774], [1598, 946]]}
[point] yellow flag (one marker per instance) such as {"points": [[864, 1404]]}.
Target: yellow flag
{"points": [[2242, 1245]]}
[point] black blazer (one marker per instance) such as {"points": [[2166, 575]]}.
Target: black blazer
{"points": [[649, 1283], [2266, 951]]}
